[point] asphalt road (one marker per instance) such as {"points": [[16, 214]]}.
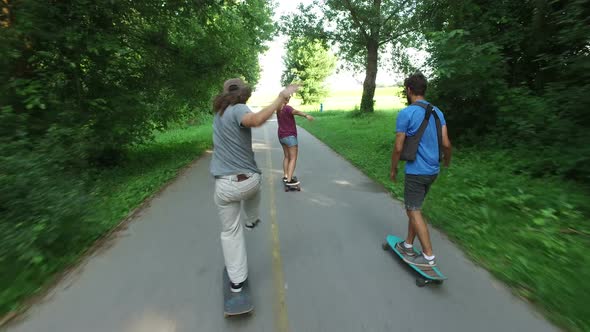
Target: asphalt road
{"points": [[316, 263]]}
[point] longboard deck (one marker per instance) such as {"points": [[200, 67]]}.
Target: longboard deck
{"points": [[236, 303], [429, 273], [292, 188]]}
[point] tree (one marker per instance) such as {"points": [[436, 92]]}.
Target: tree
{"points": [[514, 73], [360, 29], [309, 62], [80, 82], [108, 74]]}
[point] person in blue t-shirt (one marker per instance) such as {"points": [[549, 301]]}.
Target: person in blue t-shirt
{"points": [[422, 172]]}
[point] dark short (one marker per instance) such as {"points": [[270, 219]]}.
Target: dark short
{"points": [[415, 189]]}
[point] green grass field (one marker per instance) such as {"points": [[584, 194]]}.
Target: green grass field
{"points": [[533, 234], [147, 169], [115, 193]]}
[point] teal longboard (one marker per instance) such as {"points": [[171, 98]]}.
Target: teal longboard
{"points": [[236, 303], [427, 274]]}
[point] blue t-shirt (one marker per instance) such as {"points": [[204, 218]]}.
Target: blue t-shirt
{"points": [[408, 121]]}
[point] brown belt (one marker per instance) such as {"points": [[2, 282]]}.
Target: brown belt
{"points": [[242, 177], [239, 177]]}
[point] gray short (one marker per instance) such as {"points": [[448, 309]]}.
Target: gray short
{"points": [[415, 189]]}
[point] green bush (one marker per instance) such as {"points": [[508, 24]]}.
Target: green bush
{"points": [[514, 75], [84, 87]]}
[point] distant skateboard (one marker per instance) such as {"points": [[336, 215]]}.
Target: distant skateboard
{"points": [[427, 274], [235, 303], [296, 187]]}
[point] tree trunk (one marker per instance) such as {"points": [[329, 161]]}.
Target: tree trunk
{"points": [[370, 77]]}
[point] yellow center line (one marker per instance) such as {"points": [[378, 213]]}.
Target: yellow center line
{"points": [[281, 318]]}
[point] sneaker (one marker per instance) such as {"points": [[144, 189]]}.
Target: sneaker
{"points": [[285, 178], [250, 226], [293, 182], [236, 288], [405, 251], [420, 260]]}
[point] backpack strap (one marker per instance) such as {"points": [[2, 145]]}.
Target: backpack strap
{"points": [[430, 111]]}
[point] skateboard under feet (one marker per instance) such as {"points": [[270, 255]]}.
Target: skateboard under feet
{"points": [[236, 303], [296, 187], [427, 276], [292, 188]]}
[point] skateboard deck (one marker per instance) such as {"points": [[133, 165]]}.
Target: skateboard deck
{"points": [[292, 188], [427, 274], [236, 303]]}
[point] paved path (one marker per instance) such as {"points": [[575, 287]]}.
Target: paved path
{"points": [[316, 264]]}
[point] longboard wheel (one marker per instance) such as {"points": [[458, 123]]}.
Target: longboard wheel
{"points": [[438, 282], [385, 246], [420, 282], [245, 313]]}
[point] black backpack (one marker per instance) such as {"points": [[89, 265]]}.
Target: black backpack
{"points": [[411, 143]]}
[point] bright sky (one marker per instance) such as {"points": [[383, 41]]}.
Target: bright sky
{"points": [[272, 61]]}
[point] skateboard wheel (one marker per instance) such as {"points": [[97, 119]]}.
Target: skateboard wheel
{"points": [[385, 246], [438, 282], [421, 282]]}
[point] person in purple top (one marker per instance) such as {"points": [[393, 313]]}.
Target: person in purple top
{"points": [[288, 137]]}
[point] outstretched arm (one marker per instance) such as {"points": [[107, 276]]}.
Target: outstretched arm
{"points": [[307, 116], [258, 119]]}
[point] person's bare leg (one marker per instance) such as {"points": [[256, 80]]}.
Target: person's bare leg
{"points": [[285, 160], [421, 230], [292, 161], [411, 230]]}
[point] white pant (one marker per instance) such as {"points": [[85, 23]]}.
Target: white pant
{"points": [[229, 194]]}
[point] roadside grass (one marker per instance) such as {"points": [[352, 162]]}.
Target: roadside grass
{"points": [[112, 195]]}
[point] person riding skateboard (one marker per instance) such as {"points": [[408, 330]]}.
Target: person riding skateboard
{"points": [[237, 176], [287, 132], [421, 172]]}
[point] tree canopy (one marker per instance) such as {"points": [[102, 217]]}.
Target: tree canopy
{"points": [[359, 29], [309, 62], [81, 81], [514, 74]]}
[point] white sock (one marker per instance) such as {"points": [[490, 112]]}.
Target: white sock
{"points": [[408, 246], [428, 257]]}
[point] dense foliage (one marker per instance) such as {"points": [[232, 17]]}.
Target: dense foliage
{"points": [[82, 82], [517, 75]]}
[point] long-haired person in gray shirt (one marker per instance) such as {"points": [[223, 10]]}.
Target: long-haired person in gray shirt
{"points": [[237, 177]]}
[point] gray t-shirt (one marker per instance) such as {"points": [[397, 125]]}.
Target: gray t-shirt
{"points": [[232, 144]]}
